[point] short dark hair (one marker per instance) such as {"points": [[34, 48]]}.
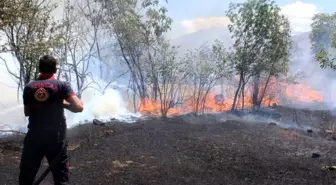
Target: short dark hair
{"points": [[47, 64]]}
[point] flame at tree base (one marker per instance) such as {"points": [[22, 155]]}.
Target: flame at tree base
{"points": [[278, 93], [212, 104]]}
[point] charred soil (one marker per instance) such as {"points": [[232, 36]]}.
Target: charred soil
{"points": [[174, 151]]}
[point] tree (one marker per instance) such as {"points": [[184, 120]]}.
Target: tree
{"points": [[93, 14], [275, 55], [137, 27], [323, 37], [81, 24], [169, 73], [30, 32], [262, 41], [206, 66], [323, 29]]}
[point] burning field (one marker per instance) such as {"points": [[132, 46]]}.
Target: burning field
{"points": [[295, 146], [216, 145], [193, 100]]}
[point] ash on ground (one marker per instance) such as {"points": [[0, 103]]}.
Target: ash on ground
{"points": [[208, 150]]}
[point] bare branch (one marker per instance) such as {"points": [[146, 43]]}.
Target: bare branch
{"points": [[7, 68], [12, 131]]}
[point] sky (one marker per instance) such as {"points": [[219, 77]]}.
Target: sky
{"points": [[193, 15]]}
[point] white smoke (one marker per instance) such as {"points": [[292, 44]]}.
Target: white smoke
{"points": [[112, 103], [104, 106], [321, 80]]}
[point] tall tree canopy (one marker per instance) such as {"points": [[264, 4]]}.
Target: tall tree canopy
{"points": [[262, 43], [29, 33]]}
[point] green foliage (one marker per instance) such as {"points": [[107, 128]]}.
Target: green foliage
{"points": [[167, 73], [30, 33], [334, 40], [166, 67], [262, 40], [206, 65], [3, 12], [138, 26], [323, 39], [261, 34], [323, 28]]}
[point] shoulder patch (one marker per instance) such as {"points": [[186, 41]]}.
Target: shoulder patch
{"points": [[41, 95]]}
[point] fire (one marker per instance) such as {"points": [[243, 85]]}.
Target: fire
{"points": [[277, 93], [151, 107], [302, 93], [213, 103]]}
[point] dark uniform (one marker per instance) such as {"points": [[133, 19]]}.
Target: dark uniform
{"points": [[46, 129]]}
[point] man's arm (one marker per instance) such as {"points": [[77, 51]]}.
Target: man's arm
{"points": [[71, 101], [73, 104], [25, 102], [26, 111]]}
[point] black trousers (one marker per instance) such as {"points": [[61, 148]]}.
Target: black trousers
{"points": [[39, 144]]}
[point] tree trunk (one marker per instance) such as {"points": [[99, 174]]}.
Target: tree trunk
{"points": [[143, 87], [132, 67], [255, 94], [134, 97], [204, 99], [237, 91], [100, 61], [155, 90], [222, 85], [264, 90], [198, 99], [164, 112], [243, 94]]}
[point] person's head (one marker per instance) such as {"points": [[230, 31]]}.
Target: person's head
{"points": [[47, 64]]}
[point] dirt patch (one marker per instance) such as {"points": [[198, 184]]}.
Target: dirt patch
{"points": [[175, 151]]}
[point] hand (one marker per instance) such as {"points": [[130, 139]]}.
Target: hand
{"points": [[73, 104], [66, 104], [78, 94]]}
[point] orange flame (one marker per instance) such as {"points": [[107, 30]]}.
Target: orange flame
{"points": [[151, 107], [215, 102]]}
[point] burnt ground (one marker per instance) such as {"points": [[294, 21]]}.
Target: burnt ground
{"points": [[179, 151]]}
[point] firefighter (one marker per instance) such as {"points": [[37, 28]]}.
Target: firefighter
{"points": [[44, 101]]}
